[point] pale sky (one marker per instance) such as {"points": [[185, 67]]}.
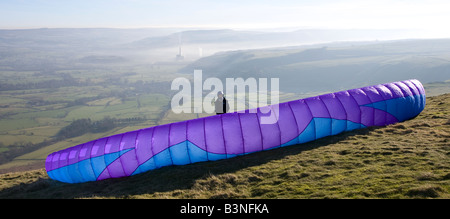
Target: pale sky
{"points": [[429, 15]]}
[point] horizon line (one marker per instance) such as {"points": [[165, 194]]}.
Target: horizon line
{"points": [[211, 27]]}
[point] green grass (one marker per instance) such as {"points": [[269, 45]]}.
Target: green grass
{"points": [[404, 160], [13, 124]]}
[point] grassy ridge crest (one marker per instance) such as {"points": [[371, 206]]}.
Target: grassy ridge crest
{"points": [[404, 160]]}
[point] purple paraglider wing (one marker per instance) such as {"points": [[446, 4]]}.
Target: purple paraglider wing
{"points": [[232, 134]]}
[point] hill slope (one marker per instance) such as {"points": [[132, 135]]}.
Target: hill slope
{"points": [[404, 160], [335, 66]]}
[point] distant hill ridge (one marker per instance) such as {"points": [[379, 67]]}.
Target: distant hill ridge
{"points": [[333, 67]]}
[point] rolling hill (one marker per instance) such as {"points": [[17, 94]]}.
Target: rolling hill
{"points": [[404, 160], [245, 39], [333, 67]]}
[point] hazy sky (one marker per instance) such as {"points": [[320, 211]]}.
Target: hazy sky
{"points": [[432, 15]]}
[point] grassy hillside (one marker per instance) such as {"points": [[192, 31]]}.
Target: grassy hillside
{"points": [[404, 160]]}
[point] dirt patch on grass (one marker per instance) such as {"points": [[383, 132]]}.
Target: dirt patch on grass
{"points": [[426, 191]]}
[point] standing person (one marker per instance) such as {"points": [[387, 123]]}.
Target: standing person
{"points": [[221, 104]]}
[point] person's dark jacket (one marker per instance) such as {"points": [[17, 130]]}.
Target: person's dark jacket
{"points": [[221, 106]]}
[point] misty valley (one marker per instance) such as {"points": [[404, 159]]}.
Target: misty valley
{"points": [[62, 87]]}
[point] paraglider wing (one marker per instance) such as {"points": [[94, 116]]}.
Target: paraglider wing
{"points": [[232, 134]]}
